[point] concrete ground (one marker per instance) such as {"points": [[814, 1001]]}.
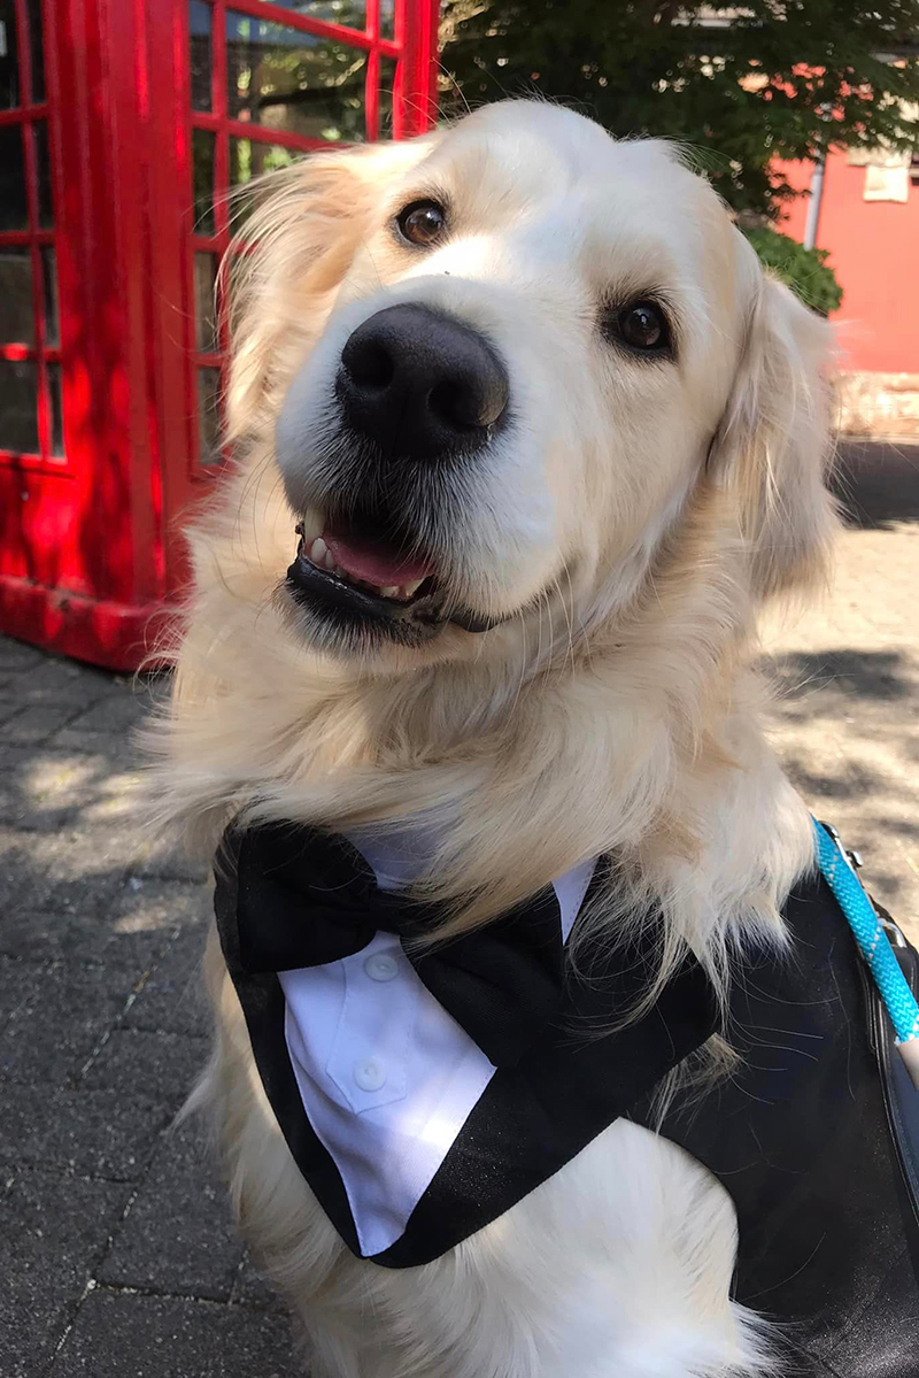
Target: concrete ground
{"points": [[116, 1252], [846, 722]]}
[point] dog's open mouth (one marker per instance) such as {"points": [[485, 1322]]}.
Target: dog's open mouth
{"points": [[363, 582], [374, 568]]}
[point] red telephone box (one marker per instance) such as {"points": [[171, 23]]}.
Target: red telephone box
{"points": [[122, 125]]}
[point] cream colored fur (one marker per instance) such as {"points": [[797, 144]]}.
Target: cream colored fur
{"points": [[628, 527]]}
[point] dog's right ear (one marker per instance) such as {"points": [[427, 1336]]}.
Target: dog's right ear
{"points": [[289, 258]]}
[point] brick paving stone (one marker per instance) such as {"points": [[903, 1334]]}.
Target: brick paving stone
{"points": [[115, 713], [45, 871], [251, 1288], [158, 909], [18, 981], [129, 1335], [52, 1230], [56, 1028], [161, 1066], [52, 680], [47, 789], [172, 998], [131, 939], [177, 1237], [108, 1134], [17, 655], [36, 724], [9, 709]]}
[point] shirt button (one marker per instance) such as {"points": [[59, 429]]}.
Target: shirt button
{"points": [[369, 1074], [381, 967]]}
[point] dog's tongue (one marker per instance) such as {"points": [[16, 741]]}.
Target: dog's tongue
{"points": [[374, 562]]}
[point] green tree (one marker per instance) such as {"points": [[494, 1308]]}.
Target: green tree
{"points": [[805, 270], [776, 79]]}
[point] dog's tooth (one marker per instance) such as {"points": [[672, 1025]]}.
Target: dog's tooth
{"points": [[330, 560], [337, 569], [411, 587], [318, 551], [389, 591]]}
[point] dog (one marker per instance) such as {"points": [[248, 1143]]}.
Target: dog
{"points": [[524, 438]]}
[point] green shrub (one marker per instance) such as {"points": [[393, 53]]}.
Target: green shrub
{"points": [[805, 270]]}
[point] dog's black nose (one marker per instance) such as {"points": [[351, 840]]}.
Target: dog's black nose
{"points": [[421, 384]]}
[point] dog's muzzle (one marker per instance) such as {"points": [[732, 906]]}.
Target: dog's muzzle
{"points": [[419, 393]]}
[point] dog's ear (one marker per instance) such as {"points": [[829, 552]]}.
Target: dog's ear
{"points": [[772, 448], [289, 258]]}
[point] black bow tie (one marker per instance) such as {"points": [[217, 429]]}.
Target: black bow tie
{"points": [[297, 897]]}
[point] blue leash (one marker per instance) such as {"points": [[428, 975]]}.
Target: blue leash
{"points": [[872, 939]]}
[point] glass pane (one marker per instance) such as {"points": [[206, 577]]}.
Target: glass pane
{"points": [[283, 79], [9, 55], [18, 407], [202, 152], [199, 27], [57, 411], [17, 319], [49, 282], [205, 304], [387, 18], [388, 69], [350, 12], [43, 167], [249, 159], [38, 52], [13, 210], [209, 416]]}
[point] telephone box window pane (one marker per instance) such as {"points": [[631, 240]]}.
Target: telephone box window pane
{"points": [[43, 166], [199, 26], [202, 152], [387, 18], [348, 12], [17, 320], [14, 213], [49, 281], [248, 159], [18, 407], [296, 82], [388, 69], [209, 416], [9, 57], [205, 303], [57, 411], [38, 52]]}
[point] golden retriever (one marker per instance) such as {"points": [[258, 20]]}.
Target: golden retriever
{"points": [[549, 437]]}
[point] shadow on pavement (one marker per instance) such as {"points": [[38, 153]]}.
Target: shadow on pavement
{"points": [[878, 483]]}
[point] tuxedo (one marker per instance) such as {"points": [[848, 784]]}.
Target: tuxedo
{"points": [[424, 1088]]}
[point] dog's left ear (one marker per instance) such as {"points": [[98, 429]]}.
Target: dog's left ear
{"points": [[772, 448]]}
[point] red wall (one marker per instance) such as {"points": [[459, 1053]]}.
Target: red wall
{"points": [[874, 250]]}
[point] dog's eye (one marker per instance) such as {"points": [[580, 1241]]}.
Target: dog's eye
{"points": [[642, 326], [422, 222]]}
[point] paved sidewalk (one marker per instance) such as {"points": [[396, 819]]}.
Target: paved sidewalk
{"points": [[847, 720], [116, 1252]]}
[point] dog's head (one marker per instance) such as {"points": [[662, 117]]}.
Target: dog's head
{"points": [[495, 364]]}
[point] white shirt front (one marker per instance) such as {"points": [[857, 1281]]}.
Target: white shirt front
{"points": [[386, 1076]]}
